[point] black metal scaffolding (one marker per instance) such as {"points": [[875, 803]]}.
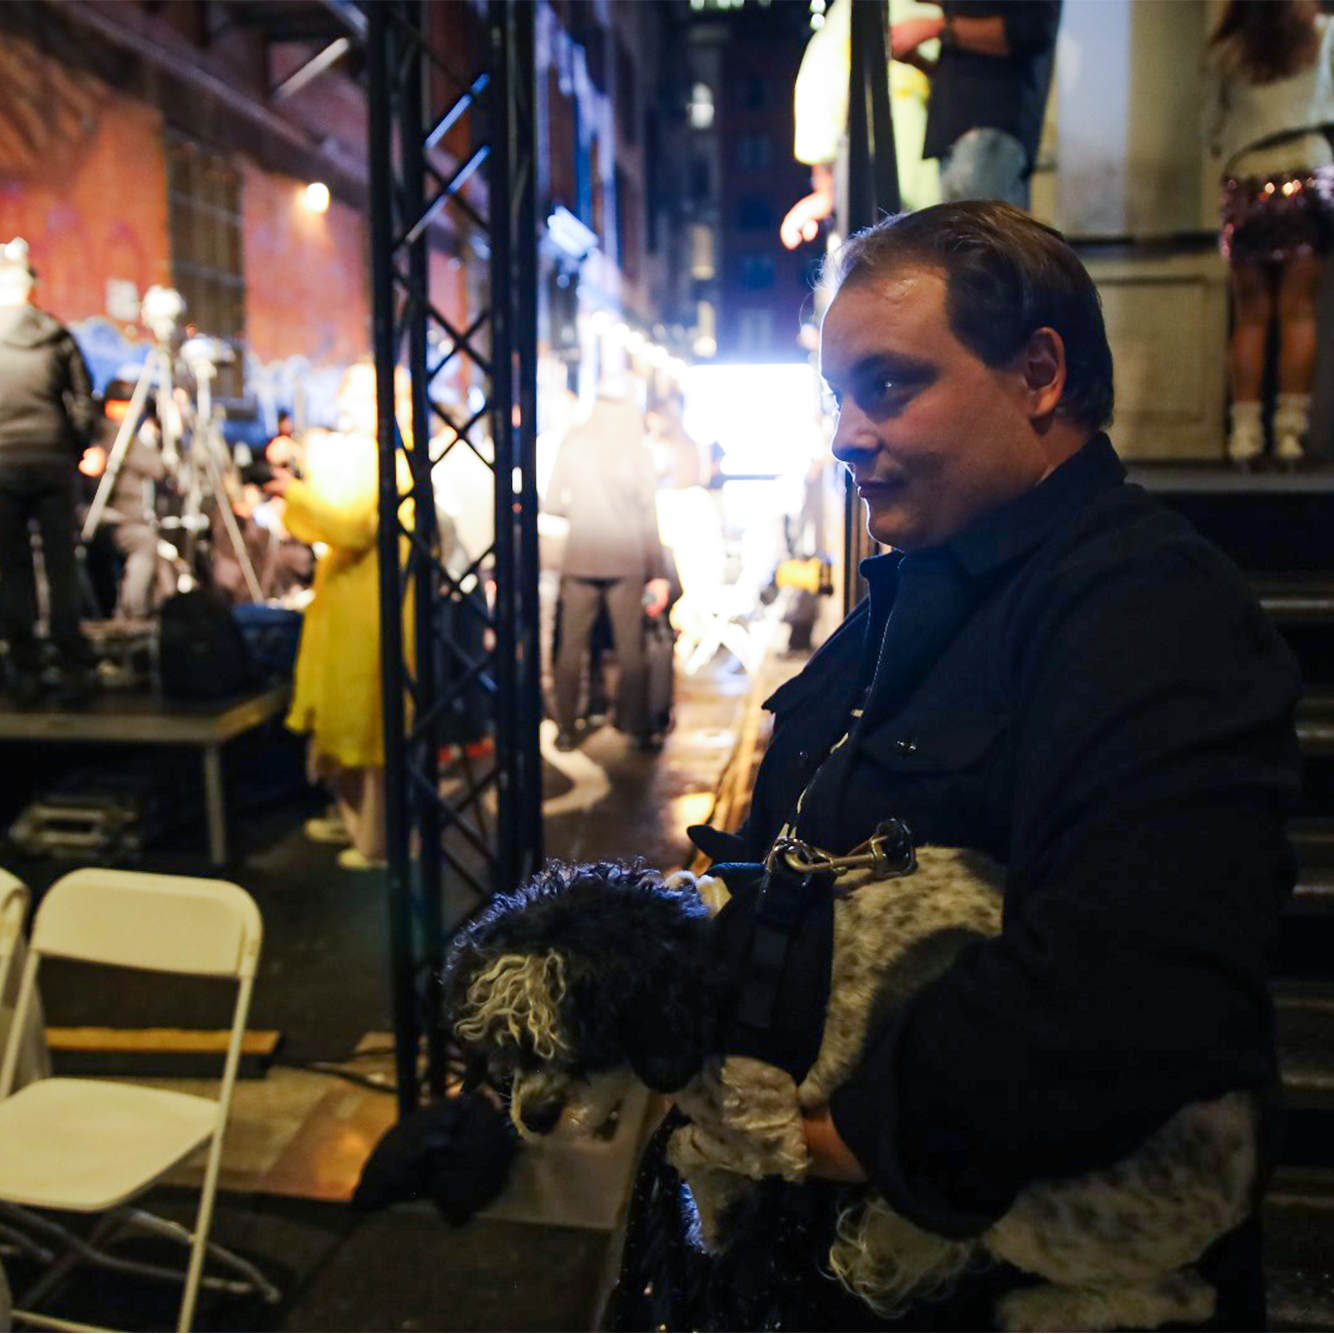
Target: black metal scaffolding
{"points": [[461, 666]]}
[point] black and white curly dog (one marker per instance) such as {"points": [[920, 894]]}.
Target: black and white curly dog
{"points": [[590, 977]]}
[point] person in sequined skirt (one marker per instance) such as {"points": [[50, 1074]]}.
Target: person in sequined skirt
{"points": [[1272, 113]]}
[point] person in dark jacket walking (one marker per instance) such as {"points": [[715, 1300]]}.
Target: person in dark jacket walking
{"points": [[604, 486], [988, 92], [46, 418], [1052, 669]]}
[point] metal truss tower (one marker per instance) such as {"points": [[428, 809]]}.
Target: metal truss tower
{"points": [[461, 664]]}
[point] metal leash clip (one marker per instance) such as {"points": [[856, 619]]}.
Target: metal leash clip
{"points": [[888, 852]]}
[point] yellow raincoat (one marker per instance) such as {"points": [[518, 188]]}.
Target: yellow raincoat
{"points": [[337, 695]]}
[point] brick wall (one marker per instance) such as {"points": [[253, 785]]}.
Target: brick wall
{"points": [[82, 179]]}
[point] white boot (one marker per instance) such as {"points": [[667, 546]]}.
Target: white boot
{"points": [[1292, 419], [1246, 439]]}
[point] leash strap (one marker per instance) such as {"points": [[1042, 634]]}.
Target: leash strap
{"points": [[797, 876]]}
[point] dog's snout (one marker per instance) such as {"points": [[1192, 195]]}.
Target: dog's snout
{"points": [[541, 1117]]}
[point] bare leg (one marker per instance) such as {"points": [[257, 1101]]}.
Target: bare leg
{"points": [[361, 802], [1252, 300], [1298, 285]]}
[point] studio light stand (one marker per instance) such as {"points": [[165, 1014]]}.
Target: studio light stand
{"points": [[195, 466]]}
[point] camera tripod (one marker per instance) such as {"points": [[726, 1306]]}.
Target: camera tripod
{"points": [[194, 463]]}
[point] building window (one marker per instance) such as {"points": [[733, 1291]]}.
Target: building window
{"points": [[207, 260], [627, 94], [700, 107], [754, 94], [702, 265], [753, 151], [757, 271], [755, 330], [755, 213], [699, 179]]}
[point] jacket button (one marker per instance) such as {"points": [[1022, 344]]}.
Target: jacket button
{"points": [[803, 757], [905, 746]]}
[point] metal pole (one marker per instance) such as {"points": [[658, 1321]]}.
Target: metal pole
{"points": [[873, 191], [382, 55], [424, 747], [513, 415]]}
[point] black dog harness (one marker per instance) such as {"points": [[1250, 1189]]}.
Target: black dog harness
{"points": [[775, 936]]}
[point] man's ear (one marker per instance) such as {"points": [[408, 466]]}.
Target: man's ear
{"points": [[1043, 366]]}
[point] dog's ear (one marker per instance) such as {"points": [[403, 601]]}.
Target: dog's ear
{"points": [[662, 1041]]}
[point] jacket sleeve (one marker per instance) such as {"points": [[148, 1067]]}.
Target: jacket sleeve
{"points": [[655, 558], [79, 406], [820, 97], [1030, 26], [310, 518], [555, 500], [1148, 861]]}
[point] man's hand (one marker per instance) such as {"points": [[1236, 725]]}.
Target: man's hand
{"points": [[277, 485], [656, 594], [802, 221], [830, 1157], [94, 461], [907, 36]]}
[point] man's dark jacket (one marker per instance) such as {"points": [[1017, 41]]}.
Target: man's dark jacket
{"points": [[46, 405], [1083, 688]]}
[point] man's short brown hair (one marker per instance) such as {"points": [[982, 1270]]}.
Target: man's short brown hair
{"points": [[1006, 275]]}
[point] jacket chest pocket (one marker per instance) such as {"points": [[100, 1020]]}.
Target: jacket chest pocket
{"points": [[932, 747], [950, 778]]}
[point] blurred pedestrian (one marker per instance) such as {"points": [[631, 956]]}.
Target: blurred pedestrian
{"points": [[337, 693], [820, 113], [46, 419], [988, 92], [1272, 112], [603, 484]]}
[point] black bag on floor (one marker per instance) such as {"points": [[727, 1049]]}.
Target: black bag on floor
{"points": [[202, 653], [659, 674]]}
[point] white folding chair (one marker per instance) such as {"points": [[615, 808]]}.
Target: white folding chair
{"points": [[13, 908], [93, 1145]]}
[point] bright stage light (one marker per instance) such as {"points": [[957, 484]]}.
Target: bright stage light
{"points": [[317, 197]]}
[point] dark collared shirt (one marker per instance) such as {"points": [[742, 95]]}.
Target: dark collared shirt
{"points": [[1007, 92], [1083, 688]]}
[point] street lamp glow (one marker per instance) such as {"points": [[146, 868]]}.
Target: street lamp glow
{"points": [[317, 197]]}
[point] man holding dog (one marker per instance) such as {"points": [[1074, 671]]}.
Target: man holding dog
{"points": [[1055, 670]]}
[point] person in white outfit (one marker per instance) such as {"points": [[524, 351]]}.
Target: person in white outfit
{"points": [[1272, 114]]}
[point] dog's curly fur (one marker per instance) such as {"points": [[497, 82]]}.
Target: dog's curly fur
{"points": [[588, 977]]}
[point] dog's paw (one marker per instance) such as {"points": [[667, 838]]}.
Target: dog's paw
{"points": [[759, 1107], [710, 888], [1182, 1298]]}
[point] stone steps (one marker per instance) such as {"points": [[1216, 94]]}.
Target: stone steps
{"points": [[1299, 1248]]}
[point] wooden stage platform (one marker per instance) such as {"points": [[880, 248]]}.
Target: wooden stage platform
{"points": [[133, 718]]}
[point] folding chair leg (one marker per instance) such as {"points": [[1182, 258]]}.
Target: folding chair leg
{"points": [[88, 1250], [165, 1227], [76, 1249], [21, 1242]]}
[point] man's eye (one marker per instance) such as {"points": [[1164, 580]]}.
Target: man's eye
{"points": [[884, 396]]}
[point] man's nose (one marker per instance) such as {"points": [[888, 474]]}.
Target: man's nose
{"points": [[541, 1117], [854, 436]]}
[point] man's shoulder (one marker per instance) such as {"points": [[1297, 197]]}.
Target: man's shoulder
{"points": [[1128, 531]]}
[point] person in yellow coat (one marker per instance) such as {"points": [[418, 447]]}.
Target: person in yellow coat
{"points": [[337, 698]]}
